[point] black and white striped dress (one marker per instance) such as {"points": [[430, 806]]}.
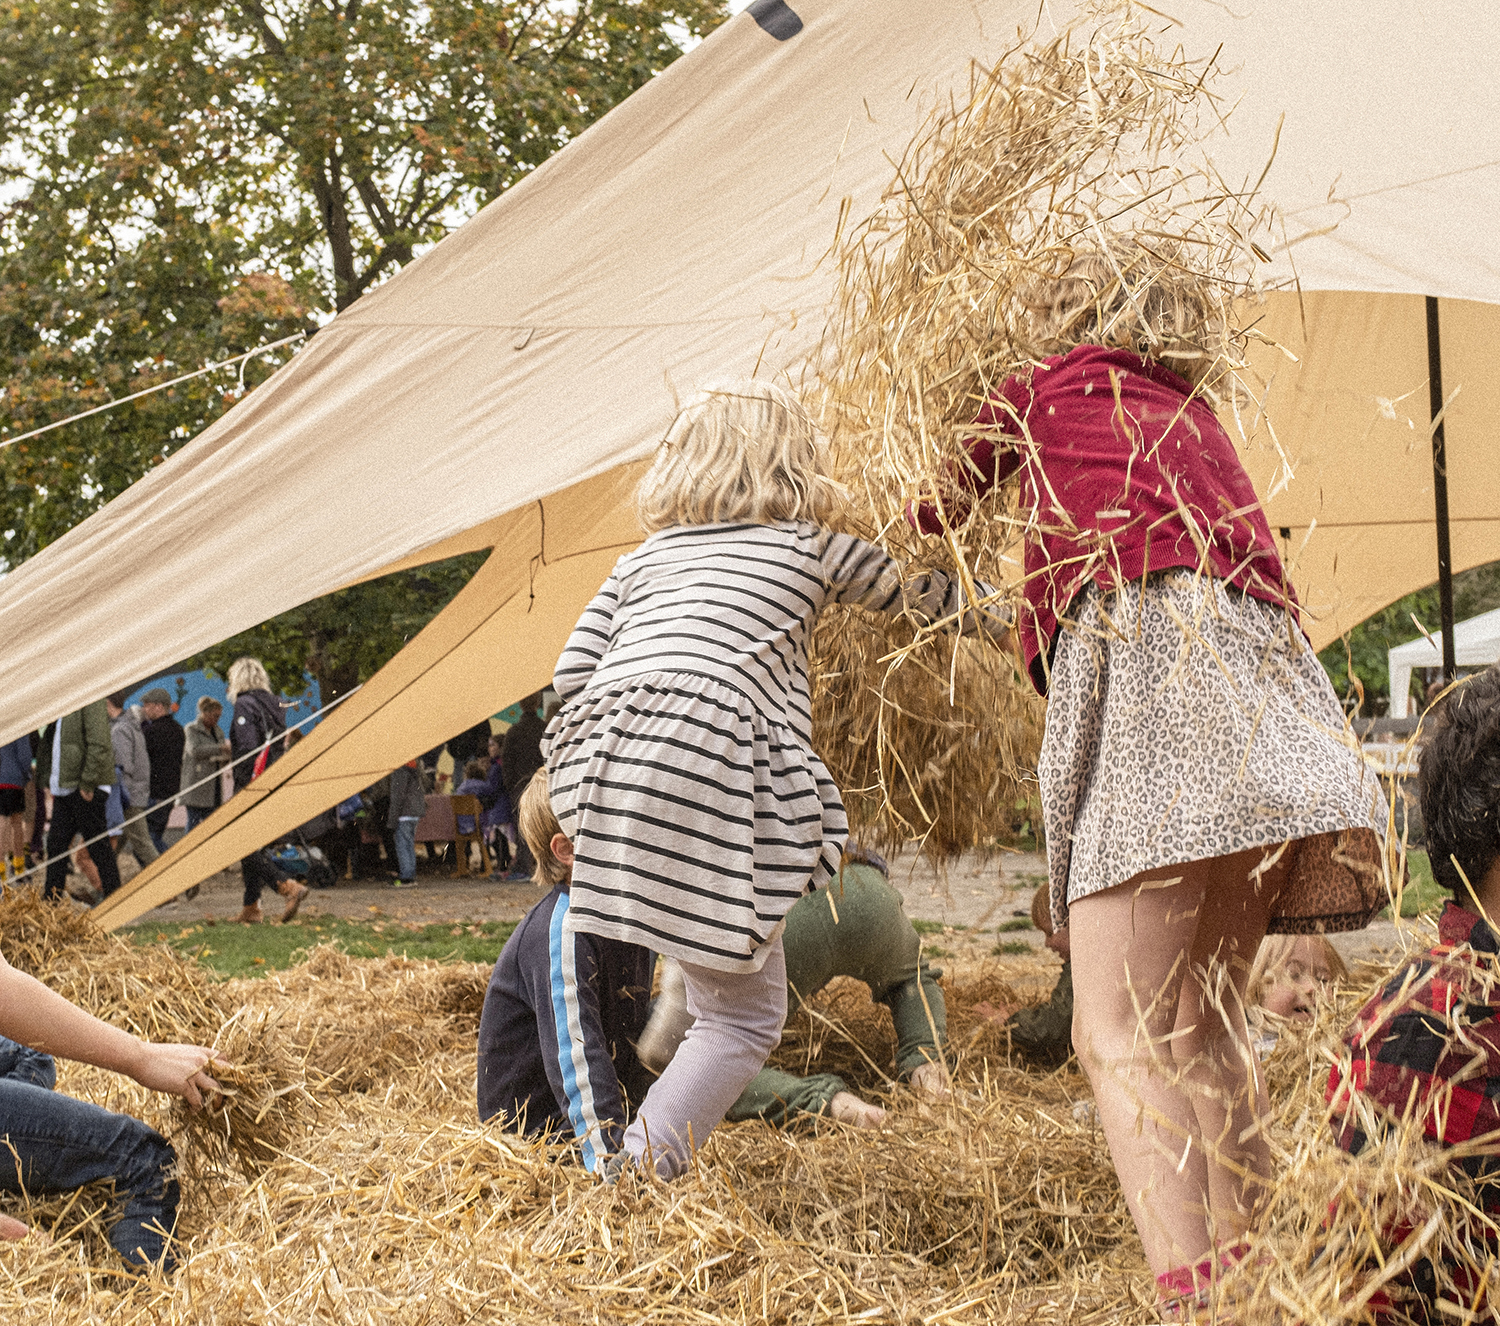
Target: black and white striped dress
{"points": [[681, 763]]}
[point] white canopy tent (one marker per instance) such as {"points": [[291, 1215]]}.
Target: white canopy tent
{"points": [[498, 392], [1476, 644]]}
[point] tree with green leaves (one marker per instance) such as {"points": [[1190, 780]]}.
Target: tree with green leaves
{"points": [[181, 183], [1357, 663]]}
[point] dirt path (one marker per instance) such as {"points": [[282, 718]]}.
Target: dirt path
{"points": [[979, 892]]}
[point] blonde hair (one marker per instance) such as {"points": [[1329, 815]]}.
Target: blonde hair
{"points": [[245, 674], [743, 451], [538, 824], [1275, 952], [1125, 298]]}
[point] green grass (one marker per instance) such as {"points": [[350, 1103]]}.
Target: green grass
{"points": [[1422, 893], [1012, 946], [229, 950], [1012, 926], [935, 927]]}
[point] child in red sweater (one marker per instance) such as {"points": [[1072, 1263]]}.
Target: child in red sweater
{"points": [[1198, 789]]}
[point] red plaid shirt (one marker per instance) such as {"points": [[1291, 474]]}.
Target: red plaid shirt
{"points": [[1429, 1044]]}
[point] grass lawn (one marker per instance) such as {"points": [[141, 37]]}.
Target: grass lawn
{"points": [[1422, 893], [252, 950]]}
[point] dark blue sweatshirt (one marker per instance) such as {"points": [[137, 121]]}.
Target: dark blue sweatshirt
{"points": [[557, 1036]]}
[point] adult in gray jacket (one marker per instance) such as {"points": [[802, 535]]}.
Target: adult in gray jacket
{"points": [[133, 769], [205, 753], [408, 805]]}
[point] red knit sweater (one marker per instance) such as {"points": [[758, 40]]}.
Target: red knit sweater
{"points": [[1121, 474]]}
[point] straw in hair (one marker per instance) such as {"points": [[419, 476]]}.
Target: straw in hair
{"points": [[538, 827], [741, 451]]}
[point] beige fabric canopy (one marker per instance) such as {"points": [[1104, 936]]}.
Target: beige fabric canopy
{"points": [[497, 390]]}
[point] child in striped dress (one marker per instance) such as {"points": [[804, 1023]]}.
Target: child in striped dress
{"points": [[681, 764]]}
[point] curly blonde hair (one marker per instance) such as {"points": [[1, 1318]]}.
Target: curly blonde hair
{"points": [[742, 451], [1127, 297]]}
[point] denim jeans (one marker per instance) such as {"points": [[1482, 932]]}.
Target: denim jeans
{"points": [[156, 823], [406, 847], [50, 1143], [197, 814]]}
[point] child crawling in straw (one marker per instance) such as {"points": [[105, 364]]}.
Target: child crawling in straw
{"points": [[681, 764], [1196, 783]]}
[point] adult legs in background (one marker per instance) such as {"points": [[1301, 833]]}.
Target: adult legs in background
{"points": [[258, 876], [1159, 1026], [51, 1143], [738, 1018], [73, 815], [156, 823], [406, 848], [138, 839], [196, 815]]}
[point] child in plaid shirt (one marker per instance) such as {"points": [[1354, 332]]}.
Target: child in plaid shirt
{"points": [[1427, 1046]]}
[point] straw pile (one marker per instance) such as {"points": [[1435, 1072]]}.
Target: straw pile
{"points": [[1095, 144], [384, 1198]]}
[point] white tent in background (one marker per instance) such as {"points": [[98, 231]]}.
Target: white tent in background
{"points": [[499, 391], [1476, 644]]}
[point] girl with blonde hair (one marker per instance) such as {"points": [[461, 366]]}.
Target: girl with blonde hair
{"points": [[1198, 787], [681, 764]]}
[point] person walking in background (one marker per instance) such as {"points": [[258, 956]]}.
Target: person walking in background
{"points": [[164, 743], [520, 758], [205, 752], [132, 776], [15, 774], [257, 721], [76, 763], [499, 816], [408, 805]]}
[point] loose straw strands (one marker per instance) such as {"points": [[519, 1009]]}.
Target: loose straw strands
{"points": [[387, 1200], [1089, 154]]}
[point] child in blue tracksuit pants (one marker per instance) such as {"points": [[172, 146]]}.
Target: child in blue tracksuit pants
{"points": [[548, 1064]]}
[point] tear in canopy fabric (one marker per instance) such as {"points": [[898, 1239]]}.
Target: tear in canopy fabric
{"points": [[496, 391]]}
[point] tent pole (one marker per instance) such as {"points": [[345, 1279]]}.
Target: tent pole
{"points": [[1440, 488]]}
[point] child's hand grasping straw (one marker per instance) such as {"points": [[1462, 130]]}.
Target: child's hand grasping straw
{"points": [[1198, 789], [681, 763]]}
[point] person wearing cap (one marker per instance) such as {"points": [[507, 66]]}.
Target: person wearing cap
{"points": [[164, 745]]}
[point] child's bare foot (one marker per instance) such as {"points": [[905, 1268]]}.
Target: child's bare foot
{"points": [[931, 1080], [11, 1229], [846, 1107]]}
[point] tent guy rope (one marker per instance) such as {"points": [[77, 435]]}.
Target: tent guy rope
{"points": [[161, 386]]}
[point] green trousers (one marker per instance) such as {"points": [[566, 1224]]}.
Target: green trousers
{"points": [[855, 927]]}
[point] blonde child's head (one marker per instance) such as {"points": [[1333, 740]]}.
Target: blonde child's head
{"points": [[540, 831], [1291, 972], [1159, 310], [743, 451]]}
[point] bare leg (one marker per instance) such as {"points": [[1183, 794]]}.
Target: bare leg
{"points": [[1172, 1067]]}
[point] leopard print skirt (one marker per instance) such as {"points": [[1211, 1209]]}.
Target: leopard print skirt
{"points": [[1187, 720]]}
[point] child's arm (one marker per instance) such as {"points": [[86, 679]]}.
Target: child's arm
{"points": [[36, 1016], [586, 646], [985, 462], [864, 575]]}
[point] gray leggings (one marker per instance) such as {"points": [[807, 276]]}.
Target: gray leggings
{"points": [[738, 1018]]}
